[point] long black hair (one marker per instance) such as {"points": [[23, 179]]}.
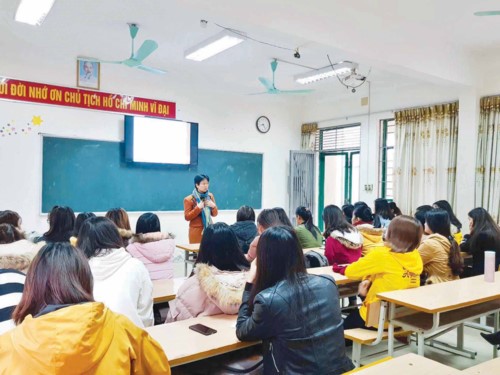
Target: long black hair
{"points": [[438, 222], [363, 213], [383, 209], [148, 223], [334, 220], [285, 220], [61, 224], [484, 229], [421, 212], [447, 207], [82, 216], [279, 257], [219, 247], [98, 234], [306, 215]]}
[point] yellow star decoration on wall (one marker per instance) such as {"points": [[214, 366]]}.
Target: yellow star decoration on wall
{"points": [[37, 120]]}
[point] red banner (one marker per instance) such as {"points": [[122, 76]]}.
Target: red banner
{"points": [[58, 95]]}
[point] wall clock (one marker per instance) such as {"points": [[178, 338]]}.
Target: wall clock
{"points": [[263, 124]]}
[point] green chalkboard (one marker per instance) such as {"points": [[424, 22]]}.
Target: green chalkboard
{"points": [[90, 175]]}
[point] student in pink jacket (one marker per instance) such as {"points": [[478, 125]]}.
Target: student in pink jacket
{"points": [[343, 242], [267, 218], [218, 278], [152, 247]]}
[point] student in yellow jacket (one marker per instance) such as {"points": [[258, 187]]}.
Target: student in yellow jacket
{"points": [[61, 330], [397, 265]]}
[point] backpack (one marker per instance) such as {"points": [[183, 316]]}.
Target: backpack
{"points": [[314, 259]]}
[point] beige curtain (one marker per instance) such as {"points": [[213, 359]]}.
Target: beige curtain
{"points": [[308, 136], [488, 157], [426, 156]]}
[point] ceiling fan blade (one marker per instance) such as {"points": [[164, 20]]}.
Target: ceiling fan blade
{"points": [[151, 70], [146, 49], [267, 83], [487, 13], [260, 93]]}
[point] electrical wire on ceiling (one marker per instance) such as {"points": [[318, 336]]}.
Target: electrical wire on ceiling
{"points": [[239, 33], [361, 78]]}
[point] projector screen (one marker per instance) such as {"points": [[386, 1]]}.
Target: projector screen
{"points": [[159, 141]]}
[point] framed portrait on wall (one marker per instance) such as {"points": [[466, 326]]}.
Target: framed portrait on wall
{"points": [[88, 74]]}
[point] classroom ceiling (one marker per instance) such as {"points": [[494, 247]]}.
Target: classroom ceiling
{"points": [[400, 43]]}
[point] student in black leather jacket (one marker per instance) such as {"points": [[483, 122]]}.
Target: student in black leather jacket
{"points": [[296, 315]]}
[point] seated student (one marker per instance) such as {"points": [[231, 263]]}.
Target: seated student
{"points": [[383, 213], [152, 247], [395, 266], [484, 236], [61, 223], [456, 225], [395, 209], [245, 228], [120, 281], [296, 315], [284, 219], [308, 234], [362, 219], [343, 242], [11, 290], [61, 330], [15, 252], [267, 218], [439, 251], [81, 217], [120, 217], [218, 278], [347, 210], [12, 218], [420, 213]]}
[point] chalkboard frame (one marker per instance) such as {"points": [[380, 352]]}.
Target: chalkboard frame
{"points": [[257, 159]]}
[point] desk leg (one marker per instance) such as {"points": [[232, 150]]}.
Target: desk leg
{"points": [[390, 343], [495, 325], [186, 258], [420, 343], [460, 337]]}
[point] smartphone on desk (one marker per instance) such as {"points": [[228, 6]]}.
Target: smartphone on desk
{"points": [[204, 330]]}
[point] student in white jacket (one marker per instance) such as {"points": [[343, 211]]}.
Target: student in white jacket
{"points": [[121, 282]]}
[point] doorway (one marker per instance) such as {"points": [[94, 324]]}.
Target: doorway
{"points": [[338, 179]]}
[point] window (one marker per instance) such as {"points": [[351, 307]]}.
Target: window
{"points": [[340, 138], [386, 160]]}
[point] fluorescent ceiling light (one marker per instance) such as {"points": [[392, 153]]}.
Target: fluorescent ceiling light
{"points": [[340, 68], [214, 45], [33, 12]]}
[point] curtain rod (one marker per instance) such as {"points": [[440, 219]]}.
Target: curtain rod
{"points": [[381, 111]]}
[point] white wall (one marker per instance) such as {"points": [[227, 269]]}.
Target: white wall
{"points": [[226, 123]]}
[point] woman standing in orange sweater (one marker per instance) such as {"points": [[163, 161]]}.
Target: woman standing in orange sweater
{"points": [[199, 207]]}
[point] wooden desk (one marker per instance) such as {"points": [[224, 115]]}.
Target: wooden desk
{"points": [[339, 279], [320, 250], [408, 364], [165, 290], [485, 368], [439, 306], [182, 345], [191, 250]]}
